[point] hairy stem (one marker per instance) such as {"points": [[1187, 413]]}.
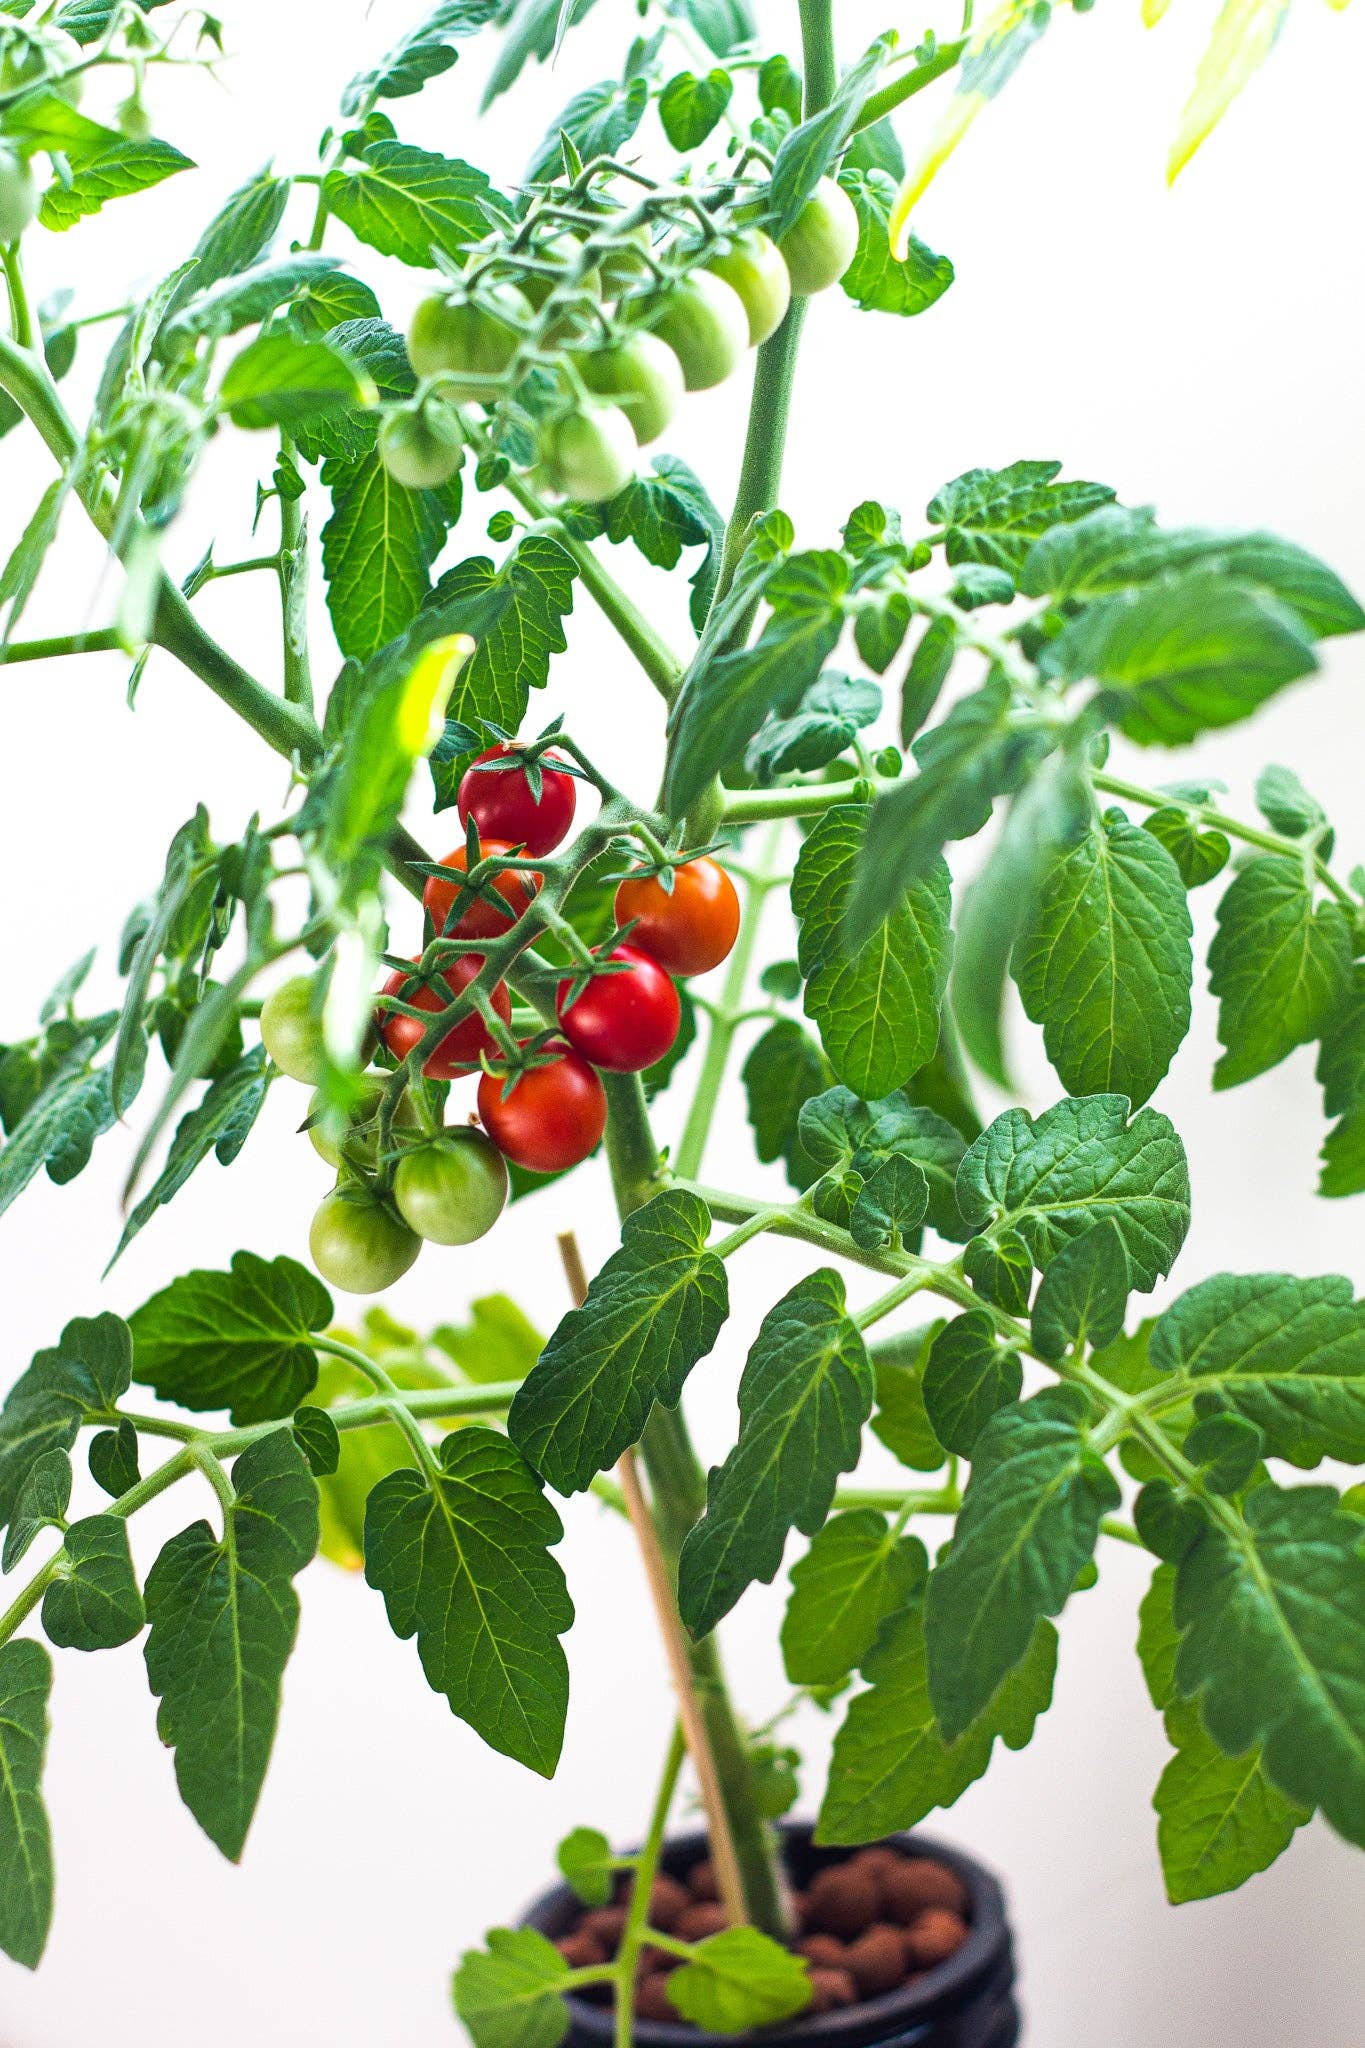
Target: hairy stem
{"points": [[637, 1916]]}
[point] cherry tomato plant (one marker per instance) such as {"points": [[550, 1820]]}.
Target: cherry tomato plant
{"points": [[925, 733]]}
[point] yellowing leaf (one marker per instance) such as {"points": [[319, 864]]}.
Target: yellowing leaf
{"points": [[1242, 38]]}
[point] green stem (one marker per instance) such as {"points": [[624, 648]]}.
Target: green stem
{"points": [[21, 319], [1235, 828], [726, 1020], [819, 63], [885, 102], [799, 800], [898, 1500], [103, 640], [292, 567], [637, 1916], [760, 475]]}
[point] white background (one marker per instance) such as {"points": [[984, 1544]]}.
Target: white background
{"points": [[1199, 349]]}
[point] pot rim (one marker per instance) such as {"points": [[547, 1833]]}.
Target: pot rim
{"points": [[899, 2016]]}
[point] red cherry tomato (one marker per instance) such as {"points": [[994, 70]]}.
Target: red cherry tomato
{"points": [[554, 1116], [501, 803], [460, 1050], [690, 930], [626, 1021], [481, 917]]}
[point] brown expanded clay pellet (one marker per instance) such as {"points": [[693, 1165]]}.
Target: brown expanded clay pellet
{"points": [[842, 1900], [701, 1881], [876, 1960], [936, 1935], [581, 1952], [822, 1951], [917, 1882], [668, 1901], [652, 2001], [877, 1860], [831, 1989], [700, 1920], [605, 1924]]}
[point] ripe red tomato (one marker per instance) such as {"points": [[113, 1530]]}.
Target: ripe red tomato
{"points": [[626, 1021], [689, 931], [480, 918], [460, 1050], [500, 802], [554, 1116]]}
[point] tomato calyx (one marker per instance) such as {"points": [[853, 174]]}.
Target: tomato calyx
{"points": [[481, 890]]}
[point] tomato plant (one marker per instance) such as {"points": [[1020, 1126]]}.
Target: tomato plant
{"points": [[548, 1117], [929, 745]]}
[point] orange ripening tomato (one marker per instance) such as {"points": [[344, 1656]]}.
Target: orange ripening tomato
{"points": [[460, 1051], [482, 916], [690, 930]]}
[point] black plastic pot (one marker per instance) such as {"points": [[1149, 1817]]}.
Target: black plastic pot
{"points": [[967, 2002]]}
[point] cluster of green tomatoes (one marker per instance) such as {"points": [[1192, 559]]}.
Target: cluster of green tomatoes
{"points": [[669, 335], [403, 1179]]}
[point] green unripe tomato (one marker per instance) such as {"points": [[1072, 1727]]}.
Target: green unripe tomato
{"points": [[421, 446], [18, 195], [644, 377], [623, 268], [590, 456], [564, 252], [453, 1191], [34, 60], [820, 245], [704, 323], [751, 264], [357, 1245], [361, 1140], [291, 1031], [477, 340]]}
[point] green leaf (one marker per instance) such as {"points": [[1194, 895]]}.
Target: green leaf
{"points": [[808, 152], [901, 1420], [689, 107], [221, 1124], [124, 167], [655, 1308], [1105, 965], [891, 1765], [1054, 1178], [380, 358], [25, 1840], [462, 1558], [726, 697], [81, 1376], [1028, 1524], [964, 763], [1341, 1070], [856, 1572], [42, 1502], [875, 279], [237, 302], [833, 711], [1220, 1819], [281, 380], [804, 1395], [721, 24], [839, 1131], [377, 551], [1183, 655], [19, 577], [587, 1865], [404, 202], [994, 515], [1277, 966], [223, 1614], [598, 121], [1287, 1354], [665, 512], [968, 1378], [112, 1458], [1117, 549], [784, 1070], [240, 1340], [877, 1009], [739, 1979], [1286, 805], [424, 53], [1271, 1612], [516, 615], [890, 1204], [1198, 854], [1083, 1294], [59, 1125], [507, 1994], [95, 1603], [1000, 1270], [316, 1435]]}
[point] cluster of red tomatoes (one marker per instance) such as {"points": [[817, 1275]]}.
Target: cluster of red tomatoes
{"points": [[449, 1185]]}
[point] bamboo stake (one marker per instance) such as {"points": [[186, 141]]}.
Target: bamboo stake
{"points": [[729, 1883]]}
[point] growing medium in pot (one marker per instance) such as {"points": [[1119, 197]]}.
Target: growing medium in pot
{"points": [[930, 741]]}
